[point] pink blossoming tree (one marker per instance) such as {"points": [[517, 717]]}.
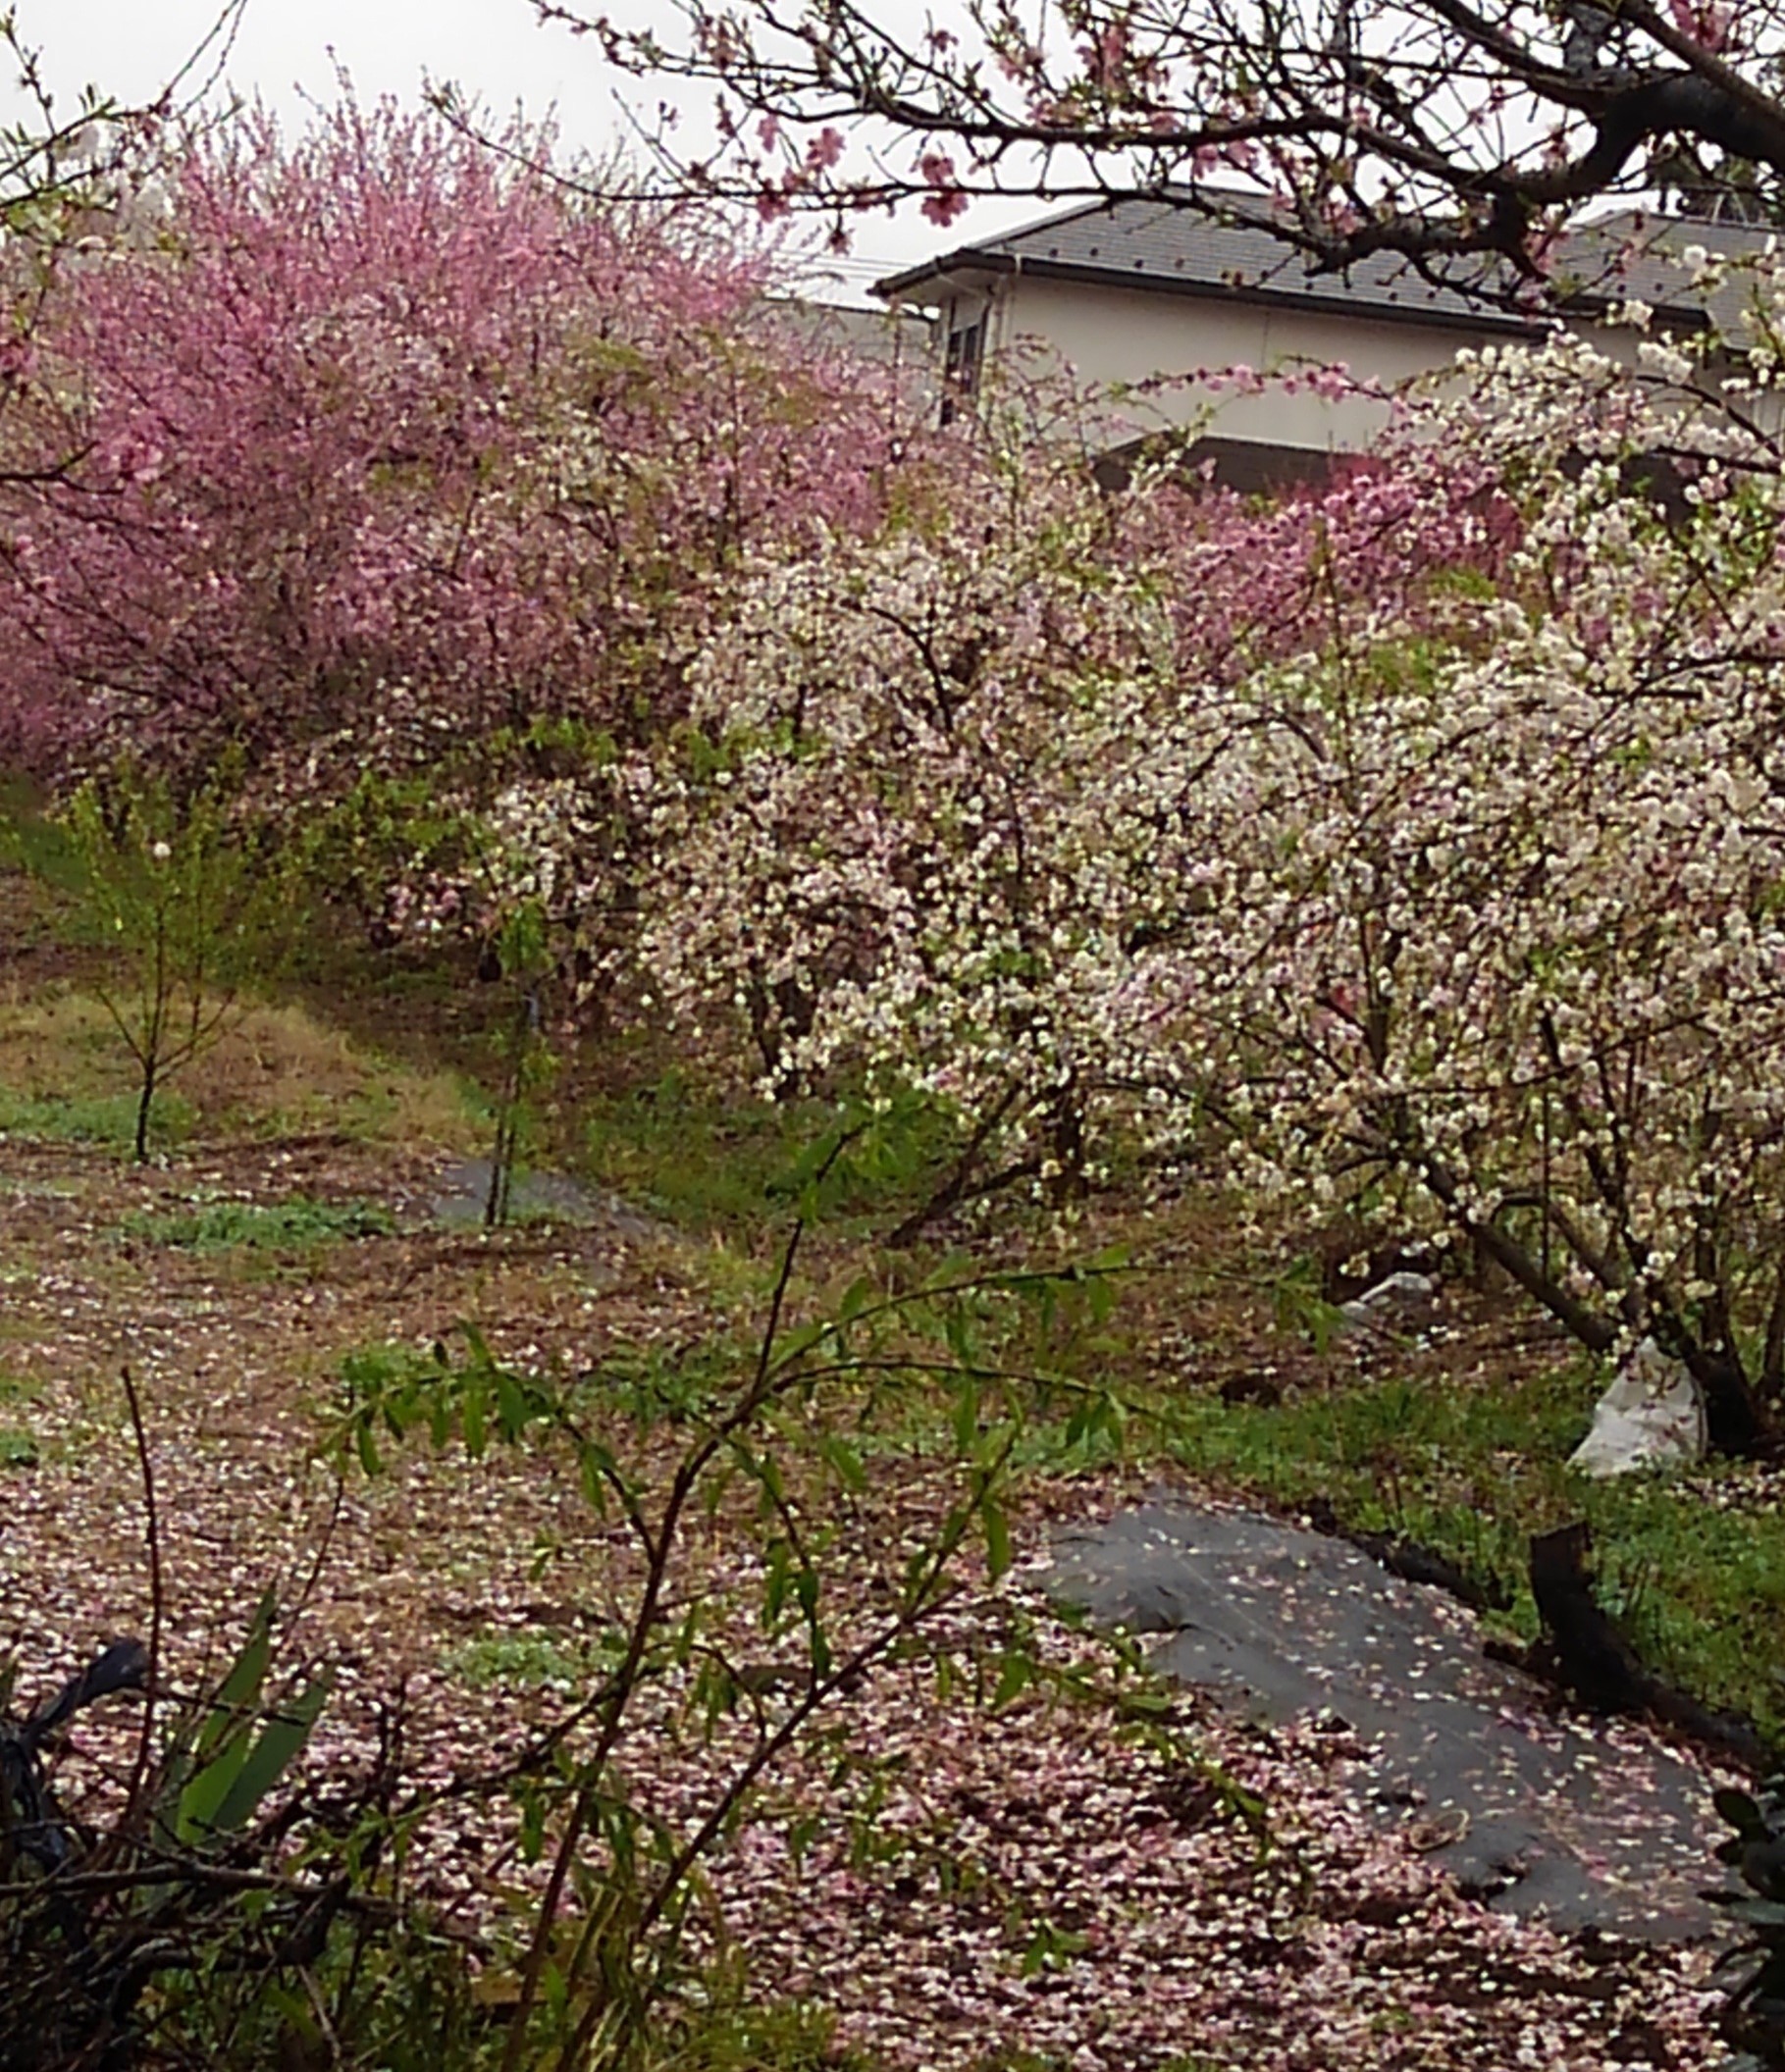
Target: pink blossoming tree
{"points": [[369, 450]]}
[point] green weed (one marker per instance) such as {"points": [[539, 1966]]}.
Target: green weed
{"points": [[105, 1119], [289, 1225], [712, 1164], [17, 1447], [14, 1388], [735, 2035], [518, 1662]]}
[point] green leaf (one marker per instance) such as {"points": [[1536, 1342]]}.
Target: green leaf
{"points": [[514, 1406], [967, 1417], [1050, 1948], [715, 1690], [768, 1472], [202, 1791], [281, 1742], [1016, 1673], [239, 1692], [997, 1536], [800, 1340], [774, 1588], [918, 1565], [471, 1420], [220, 1750], [800, 1835], [957, 1330], [596, 1466], [841, 1456]]}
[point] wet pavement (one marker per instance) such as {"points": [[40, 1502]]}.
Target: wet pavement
{"points": [[462, 1189], [1533, 1811]]}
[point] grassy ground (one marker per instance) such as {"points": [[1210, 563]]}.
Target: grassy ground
{"points": [[277, 1072], [1027, 1885]]}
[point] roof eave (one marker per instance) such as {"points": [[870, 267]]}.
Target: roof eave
{"points": [[970, 259], [1338, 306]]}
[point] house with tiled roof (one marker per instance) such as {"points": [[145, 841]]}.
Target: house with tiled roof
{"points": [[1135, 295]]}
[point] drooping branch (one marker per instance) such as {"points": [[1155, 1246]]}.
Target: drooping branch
{"points": [[1431, 130]]}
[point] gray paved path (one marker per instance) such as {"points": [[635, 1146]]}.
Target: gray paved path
{"points": [[1543, 1814]]}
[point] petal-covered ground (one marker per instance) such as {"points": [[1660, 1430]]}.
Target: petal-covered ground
{"points": [[1058, 1880]]}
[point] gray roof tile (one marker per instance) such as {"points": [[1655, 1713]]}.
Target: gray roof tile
{"points": [[1140, 243]]}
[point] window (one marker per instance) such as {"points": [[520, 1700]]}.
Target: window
{"points": [[960, 359]]}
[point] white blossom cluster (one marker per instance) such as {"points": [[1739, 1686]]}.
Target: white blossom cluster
{"points": [[540, 835]]}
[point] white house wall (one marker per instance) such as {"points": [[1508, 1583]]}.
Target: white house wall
{"points": [[1113, 336]]}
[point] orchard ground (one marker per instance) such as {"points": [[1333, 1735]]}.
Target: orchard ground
{"points": [[1052, 1879]]}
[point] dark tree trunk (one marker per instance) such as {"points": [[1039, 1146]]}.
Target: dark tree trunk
{"points": [[145, 1100]]}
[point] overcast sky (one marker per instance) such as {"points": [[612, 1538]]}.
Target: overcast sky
{"points": [[493, 50]]}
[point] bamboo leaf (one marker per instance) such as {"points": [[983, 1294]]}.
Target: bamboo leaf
{"points": [[997, 1536]]}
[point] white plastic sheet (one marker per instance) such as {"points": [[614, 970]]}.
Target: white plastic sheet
{"points": [[1390, 1302], [1652, 1415]]}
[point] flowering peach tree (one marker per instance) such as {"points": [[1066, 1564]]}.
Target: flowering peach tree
{"points": [[1490, 934], [937, 770], [1433, 868], [401, 469]]}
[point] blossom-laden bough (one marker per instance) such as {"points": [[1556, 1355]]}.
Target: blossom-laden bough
{"points": [[1466, 141]]}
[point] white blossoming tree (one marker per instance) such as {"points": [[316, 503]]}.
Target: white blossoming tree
{"points": [[1429, 861], [1494, 935], [917, 831], [849, 847]]}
